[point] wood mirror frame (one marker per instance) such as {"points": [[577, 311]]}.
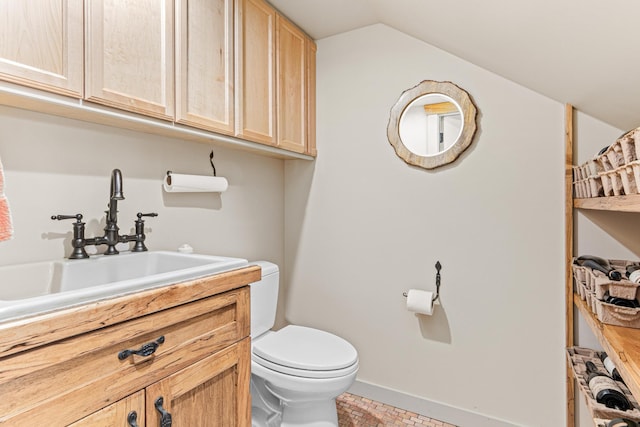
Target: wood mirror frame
{"points": [[468, 110]]}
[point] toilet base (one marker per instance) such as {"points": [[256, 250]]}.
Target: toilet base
{"points": [[320, 413], [267, 410]]}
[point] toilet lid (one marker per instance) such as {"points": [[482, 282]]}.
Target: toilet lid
{"points": [[305, 348]]}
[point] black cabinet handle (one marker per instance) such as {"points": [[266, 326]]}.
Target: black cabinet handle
{"points": [[146, 350], [132, 419], [165, 417]]}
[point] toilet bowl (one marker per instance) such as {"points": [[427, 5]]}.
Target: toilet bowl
{"points": [[296, 372]]}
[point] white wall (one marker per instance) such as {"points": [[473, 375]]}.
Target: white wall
{"points": [[362, 227], [59, 166]]}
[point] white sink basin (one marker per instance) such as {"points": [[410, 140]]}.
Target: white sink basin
{"points": [[33, 288]]}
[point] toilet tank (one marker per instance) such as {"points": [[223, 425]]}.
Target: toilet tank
{"points": [[264, 299]]}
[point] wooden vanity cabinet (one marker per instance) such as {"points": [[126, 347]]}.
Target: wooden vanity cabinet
{"points": [[130, 55], [41, 45], [211, 392], [199, 366]]}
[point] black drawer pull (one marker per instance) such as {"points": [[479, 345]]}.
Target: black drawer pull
{"points": [[132, 419], [165, 417], [146, 350]]}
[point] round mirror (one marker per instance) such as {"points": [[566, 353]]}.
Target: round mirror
{"points": [[432, 123]]}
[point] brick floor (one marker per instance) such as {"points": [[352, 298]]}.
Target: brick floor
{"points": [[356, 411]]}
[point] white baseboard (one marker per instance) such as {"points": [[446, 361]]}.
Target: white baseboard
{"points": [[428, 408]]}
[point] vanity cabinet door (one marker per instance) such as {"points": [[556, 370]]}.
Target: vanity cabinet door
{"points": [[41, 44], [213, 392], [255, 81], [204, 64], [129, 62], [117, 414], [292, 98]]}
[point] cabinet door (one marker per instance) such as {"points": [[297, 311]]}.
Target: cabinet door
{"points": [[255, 69], [212, 392], [204, 58], [41, 44], [117, 414], [311, 98], [292, 96], [130, 55]]}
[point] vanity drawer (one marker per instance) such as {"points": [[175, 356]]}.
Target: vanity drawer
{"points": [[72, 378]]}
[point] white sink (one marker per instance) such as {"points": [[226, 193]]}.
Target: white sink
{"points": [[33, 288]]}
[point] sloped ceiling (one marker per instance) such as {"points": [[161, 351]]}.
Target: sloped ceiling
{"points": [[583, 52]]}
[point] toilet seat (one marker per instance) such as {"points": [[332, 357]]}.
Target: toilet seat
{"points": [[305, 352]]}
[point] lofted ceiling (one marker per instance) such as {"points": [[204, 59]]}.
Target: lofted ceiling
{"points": [[583, 52]]}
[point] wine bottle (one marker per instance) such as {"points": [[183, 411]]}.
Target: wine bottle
{"points": [[621, 302], [600, 264], [622, 422], [633, 273], [609, 366], [605, 389]]}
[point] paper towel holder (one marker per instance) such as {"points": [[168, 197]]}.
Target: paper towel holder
{"points": [[210, 161], [437, 295]]}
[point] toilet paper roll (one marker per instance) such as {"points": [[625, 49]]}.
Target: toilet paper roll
{"points": [[178, 183], [419, 301]]}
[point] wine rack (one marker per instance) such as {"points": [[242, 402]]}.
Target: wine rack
{"points": [[578, 357], [622, 344]]}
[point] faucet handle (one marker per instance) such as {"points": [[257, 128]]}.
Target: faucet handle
{"points": [[140, 236], [78, 243], [77, 217], [140, 214]]}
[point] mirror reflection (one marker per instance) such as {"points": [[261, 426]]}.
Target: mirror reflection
{"points": [[431, 124]]}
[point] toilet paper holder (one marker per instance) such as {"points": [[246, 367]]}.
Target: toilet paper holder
{"points": [[437, 295]]}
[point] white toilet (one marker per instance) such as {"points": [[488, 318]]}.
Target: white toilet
{"points": [[296, 372]]}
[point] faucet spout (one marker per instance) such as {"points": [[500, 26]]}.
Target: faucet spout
{"points": [[116, 194], [116, 185]]}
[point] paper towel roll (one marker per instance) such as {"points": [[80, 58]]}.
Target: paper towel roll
{"points": [[419, 301], [178, 183]]}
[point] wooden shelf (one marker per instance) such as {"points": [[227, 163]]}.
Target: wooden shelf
{"points": [[621, 344], [616, 203]]}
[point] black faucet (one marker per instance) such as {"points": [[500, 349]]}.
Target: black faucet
{"points": [[111, 231], [111, 237]]}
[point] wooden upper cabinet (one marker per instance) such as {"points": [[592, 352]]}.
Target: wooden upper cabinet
{"points": [[204, 70], [41, 44], [275, 67], [234, 67], [311, 98], [129, 56], [292, 98], [256, 71]]}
